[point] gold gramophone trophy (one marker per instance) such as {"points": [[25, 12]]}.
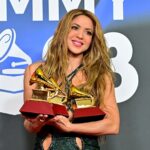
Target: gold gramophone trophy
{"points": [[47, 98], [84, 109]]}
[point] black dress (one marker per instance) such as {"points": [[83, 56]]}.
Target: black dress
{"points": [[65, 141]]}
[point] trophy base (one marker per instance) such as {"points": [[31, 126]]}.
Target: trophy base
{"points": [[32, 108], [87, 114]]}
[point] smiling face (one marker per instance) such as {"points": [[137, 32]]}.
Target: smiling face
{"points": [[80, 35]]}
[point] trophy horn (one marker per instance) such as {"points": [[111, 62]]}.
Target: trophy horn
{"points": [[39, 77], [74, 92], [81, 96], [35, 79]]}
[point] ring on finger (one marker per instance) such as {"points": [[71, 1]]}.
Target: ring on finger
{"points": [[41, 120]]}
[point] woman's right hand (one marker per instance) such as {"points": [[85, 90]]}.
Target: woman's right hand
{"points": [[35, 124], [41, 118]]}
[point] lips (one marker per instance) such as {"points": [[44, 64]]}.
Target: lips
{"points": [[77, 43]]}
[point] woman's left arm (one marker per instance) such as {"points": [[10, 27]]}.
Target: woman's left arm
{"points": [[109, 125]]}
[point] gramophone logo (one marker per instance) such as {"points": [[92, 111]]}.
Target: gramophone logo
{"points": [[13, 61]]}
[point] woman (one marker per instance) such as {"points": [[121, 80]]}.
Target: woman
{"points": [[78, 47]]}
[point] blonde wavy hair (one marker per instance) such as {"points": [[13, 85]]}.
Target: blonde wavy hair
{"points": [[96, 60]]}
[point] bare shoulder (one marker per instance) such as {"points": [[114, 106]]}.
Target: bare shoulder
{"points": [[32, 67]]}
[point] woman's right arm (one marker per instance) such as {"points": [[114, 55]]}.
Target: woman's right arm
{"points": [[32, 125]]}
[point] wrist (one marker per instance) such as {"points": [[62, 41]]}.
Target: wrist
{"points": [[32, 126], [71, 127]]}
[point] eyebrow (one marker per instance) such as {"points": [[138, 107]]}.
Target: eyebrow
{"points": [[85, 28]]}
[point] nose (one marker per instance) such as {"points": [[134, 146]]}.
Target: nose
{"points": [[80, 34]]}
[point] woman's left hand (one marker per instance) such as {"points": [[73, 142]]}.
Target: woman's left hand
{"points": [[62, 123]]}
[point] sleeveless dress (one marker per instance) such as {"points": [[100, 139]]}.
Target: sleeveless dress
{"points": [[65, 141]]}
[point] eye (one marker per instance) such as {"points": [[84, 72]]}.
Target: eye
{"points": [[74, 27], [89, 33]]}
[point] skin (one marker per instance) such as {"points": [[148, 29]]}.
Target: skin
{"points": [[80, 35], [79, 40]]}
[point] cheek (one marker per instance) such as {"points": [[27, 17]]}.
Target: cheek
{"points": [[69, 37], [71, 34], [89, 41], [68, 41]]}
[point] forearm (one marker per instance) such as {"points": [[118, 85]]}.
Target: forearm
{"points": [[109, 125], [96, 128]]}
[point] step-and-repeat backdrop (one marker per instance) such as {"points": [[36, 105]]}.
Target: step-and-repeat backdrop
{"points": [[26, 27]]}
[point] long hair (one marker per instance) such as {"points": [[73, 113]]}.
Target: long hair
{"points": [[96, 59]]}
